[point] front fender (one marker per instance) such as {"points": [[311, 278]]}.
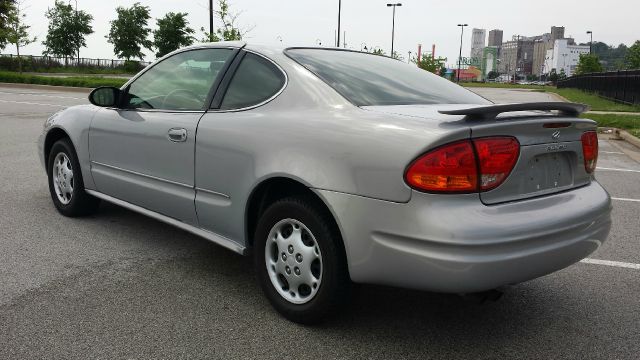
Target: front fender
{"points": [[75, 122]]}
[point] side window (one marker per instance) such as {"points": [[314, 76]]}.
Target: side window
{"points": [[255, 81], [181, 82]]}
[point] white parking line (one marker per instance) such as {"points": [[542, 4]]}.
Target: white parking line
{"points": [[35, 94], [30, 103], [613, 169], [612, 152], [625, 199], [611, 263]]}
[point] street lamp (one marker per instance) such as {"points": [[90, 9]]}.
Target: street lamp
{"points": [[78, 49], [339, 10], [591, 41], [460, 56], [393, 26], [409, 61]]}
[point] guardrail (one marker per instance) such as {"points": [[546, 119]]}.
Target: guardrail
{"points": [[621, 86], [39, 63]]}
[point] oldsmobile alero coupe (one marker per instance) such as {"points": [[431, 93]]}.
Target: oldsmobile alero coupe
{"points": [[332, 166]]}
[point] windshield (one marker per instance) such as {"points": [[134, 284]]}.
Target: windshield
{"points": [[369, 80]]}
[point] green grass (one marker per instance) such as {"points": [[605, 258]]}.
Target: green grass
{"points": [[80, 81], [505, 85], [631, 123], [596, 102]]}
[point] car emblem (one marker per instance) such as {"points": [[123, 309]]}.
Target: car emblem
{"points": [[555, 135]]}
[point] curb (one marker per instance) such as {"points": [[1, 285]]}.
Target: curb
{"points": [[624, 135], [558, 96], [45, 87]]}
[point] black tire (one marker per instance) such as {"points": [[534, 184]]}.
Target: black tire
{"points": [[334, 289], [80, 203]]}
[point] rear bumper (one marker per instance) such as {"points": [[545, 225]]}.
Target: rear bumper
{"points": [[456, 244]]}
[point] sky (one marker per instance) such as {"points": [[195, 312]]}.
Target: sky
{"points": [[368, 22]]}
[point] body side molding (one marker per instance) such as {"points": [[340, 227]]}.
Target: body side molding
{"points": [[215, 238]]}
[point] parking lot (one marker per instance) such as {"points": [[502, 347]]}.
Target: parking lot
{"points": [[120, 285]]}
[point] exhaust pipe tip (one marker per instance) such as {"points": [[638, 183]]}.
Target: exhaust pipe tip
{"points": [[482, 297]]}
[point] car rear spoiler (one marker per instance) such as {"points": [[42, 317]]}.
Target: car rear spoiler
{"points": [[492, 111]]}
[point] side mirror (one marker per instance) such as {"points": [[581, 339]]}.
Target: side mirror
{"points": [[105, 96]]}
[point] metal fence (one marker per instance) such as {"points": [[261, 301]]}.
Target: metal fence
{"points": [[39, 63], [621, 86]]}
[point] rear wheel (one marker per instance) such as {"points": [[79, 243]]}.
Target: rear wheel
{"points": [[65, 182], [299, 261]]}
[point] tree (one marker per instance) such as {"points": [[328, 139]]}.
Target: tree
{"points": [[397, 56], [172, 33], [562, 75], [130, 31], [230, 30], [67, 30], [588, 63], [432, 64], [16, 31], [379, 52], [633, 56], [5, 7], [553, 76]]}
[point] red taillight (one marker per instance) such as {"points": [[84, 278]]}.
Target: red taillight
{"points": [[497, 157], [449, 168], [590, 150], [459, 168]]}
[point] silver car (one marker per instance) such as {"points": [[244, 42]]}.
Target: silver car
{"points": [[331, 166]]}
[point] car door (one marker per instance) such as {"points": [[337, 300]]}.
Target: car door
{"points": [[227, 135], [143, 151]]}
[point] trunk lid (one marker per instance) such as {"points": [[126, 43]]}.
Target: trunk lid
{"points": [[551, 158]]}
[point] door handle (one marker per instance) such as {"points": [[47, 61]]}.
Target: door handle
{"points": [[178, 135]]}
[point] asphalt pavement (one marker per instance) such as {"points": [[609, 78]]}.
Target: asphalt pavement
{"points": [[119, 285]]}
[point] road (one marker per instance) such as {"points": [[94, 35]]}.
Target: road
{"points": [[119, 285]]}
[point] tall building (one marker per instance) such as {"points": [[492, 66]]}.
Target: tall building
{"points": [[516, 56], [564, 56], [557, 33], [478, 38], [495, 38]]}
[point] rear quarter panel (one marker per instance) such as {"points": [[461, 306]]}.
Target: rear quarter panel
{"points": [[313, 135]]}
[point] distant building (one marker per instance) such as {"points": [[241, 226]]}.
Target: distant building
{"points": [[516, 56], [489, 61], [495, 38], [564, 56], [557, 33], [478, 38]]}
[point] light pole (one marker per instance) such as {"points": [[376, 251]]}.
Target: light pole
{"points": [[515, 67], [210, 20], [409, 61], [590, 41], [78, 49], [339, 10], [460, 55], [393, 26]]}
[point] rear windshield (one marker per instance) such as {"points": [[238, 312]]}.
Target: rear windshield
{"points": [[369, 80]]}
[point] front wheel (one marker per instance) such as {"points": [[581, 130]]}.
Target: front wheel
{"points": [[65, 182], [300, 261]]}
